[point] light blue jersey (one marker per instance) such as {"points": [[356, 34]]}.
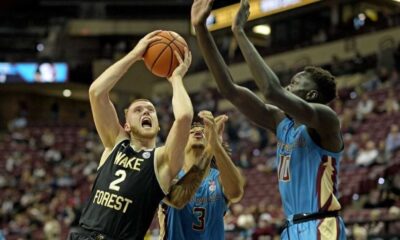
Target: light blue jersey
{"points": [[308, 177], [202, 217]]}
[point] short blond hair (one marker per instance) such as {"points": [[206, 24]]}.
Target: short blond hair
{"points": [[134, 101]]}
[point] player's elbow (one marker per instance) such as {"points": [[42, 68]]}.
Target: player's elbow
{"points": [[95, 91], [228, 92], [236, 195], [185, 119]]}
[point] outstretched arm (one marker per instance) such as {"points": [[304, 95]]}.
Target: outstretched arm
{"points": [[172, 153], [230, 177], [184, 189], [316, 116], [104, 114], [246, 101]]}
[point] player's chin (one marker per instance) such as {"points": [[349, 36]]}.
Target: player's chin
{"points": [[148, 132], [198, 146]]}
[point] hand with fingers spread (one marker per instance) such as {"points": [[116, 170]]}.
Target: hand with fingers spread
{"points": [[140, 48], [210, 127], [201, 9], [184, 65], [220, 125], [241, 16]]}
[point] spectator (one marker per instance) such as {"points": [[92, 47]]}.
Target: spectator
{"points": [[367, 154], [346, 120], [364, 107], [246, 221], [359, 232], [48, 139], [391, 104], [351, 147], [52, 229], [17, 123], [265, 227], [393, 140]]}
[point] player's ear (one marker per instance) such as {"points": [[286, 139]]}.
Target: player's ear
{"points": [[127, 128], [312, 96]]}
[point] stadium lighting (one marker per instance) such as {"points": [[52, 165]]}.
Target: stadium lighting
{"points": [[262, 29], [40, 47], [67, 93], [381, 180]]}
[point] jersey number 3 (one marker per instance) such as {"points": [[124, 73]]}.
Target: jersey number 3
{"points": [[201, 214], [284, 168], [114, 184]]}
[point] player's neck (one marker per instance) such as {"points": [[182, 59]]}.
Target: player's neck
{"points": [[193, 156], [142, 143]]}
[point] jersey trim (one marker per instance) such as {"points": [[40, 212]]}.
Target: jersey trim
{"points": [[112, 150]]}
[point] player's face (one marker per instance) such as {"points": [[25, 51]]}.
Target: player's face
{"points": [[141, 119], [197, 138], [300, 85]]}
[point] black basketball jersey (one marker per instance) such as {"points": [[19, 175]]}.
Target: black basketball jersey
{"points": [[125, 194]]}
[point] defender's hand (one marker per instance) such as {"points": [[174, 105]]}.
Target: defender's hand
{"points": [[210, 128], [241, 16], [201, 9], [220, 125]]}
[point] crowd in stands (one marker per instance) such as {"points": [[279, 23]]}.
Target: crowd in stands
{"points": [[47, 168]]}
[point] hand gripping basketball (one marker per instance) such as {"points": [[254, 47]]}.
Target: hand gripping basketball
{"points": [[160, 58]]}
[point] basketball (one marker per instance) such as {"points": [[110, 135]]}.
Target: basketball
{"points": [[159, 57]]}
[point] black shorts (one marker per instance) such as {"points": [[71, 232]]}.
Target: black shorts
{"points": [[79, 236], [83, 234]]}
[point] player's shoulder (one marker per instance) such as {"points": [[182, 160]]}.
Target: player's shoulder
{"points": [[327, 116]]}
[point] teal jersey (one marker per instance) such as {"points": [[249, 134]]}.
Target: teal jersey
{"points": [[308, 174], [308, 182], [203, 217]]}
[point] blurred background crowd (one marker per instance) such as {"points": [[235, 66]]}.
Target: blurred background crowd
{"points": [[49, 148]]}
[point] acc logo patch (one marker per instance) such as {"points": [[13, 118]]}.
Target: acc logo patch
{"points": [[212, 186], [146, 155]]}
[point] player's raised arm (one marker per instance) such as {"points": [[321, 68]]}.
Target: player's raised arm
{"points": [[104, 114], [173, 151], [247, 102], [231, 180], [304, 109], [184, 189]]}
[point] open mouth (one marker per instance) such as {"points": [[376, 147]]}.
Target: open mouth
{"points": [[146, 122]]}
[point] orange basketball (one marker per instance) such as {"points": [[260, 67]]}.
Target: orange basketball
{"points": [[159, 57]]}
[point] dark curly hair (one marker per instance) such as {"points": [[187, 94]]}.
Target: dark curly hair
{"points": [[325, 82]]}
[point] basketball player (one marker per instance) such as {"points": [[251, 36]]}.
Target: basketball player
{"points": [[202, 217], [308, 131], [133, 175]]}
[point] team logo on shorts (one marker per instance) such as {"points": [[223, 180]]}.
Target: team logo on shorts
{"points": [[212, 186], [146, 155]]}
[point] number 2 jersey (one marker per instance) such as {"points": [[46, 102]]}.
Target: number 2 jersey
{"points": [[125, 194], [201, 218]]}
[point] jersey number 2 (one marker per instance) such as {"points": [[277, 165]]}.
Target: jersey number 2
{"points": [[201, 214], [114, 184]]}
